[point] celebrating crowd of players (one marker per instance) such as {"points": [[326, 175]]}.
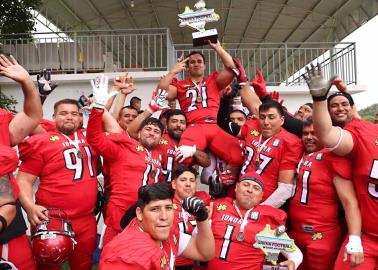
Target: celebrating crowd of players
{"points": [[314, 171]]}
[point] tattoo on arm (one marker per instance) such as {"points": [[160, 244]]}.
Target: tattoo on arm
{"points": [[6, 189]]}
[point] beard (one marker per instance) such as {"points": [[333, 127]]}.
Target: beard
{"points": [[174, 135]]}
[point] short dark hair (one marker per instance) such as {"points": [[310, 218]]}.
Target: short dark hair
{"points": [[271, 104], [66, 101], [133, 99], [154, 192], [344, 94], [126, 107], [163, 114], [179, 170], [307, 121], [152, 121], [197, 52], [174, 112]]}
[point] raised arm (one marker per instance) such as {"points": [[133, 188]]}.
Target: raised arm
{"points": [[227, 74], [250, 100], [24, 122], [338, 140], [125, 86], [158, 102], [201, 247], [165, 81], [45, 84]]}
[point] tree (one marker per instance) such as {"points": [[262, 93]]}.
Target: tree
{"points": [[369, 113], [16, 17], [7, 103]]}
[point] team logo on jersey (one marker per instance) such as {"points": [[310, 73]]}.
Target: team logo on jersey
{"points": [[163, 261], [54, 138], [187, 85], [255, 132], [255, 215], [162, 141], [139, 148], [175, 207], [221, 207], [317, 236], [276, 142], [319, 156]]}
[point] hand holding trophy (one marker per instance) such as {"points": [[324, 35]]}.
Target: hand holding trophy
{"points": [[272, 243], [197, 20]]}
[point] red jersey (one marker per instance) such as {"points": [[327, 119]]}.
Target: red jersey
{"points": [[47, 125], [231, 253], [200, 102], [135, 249], [185, 222], [130, 164], [315, 194], [167, 148], [5, 118], [66, 181], [281, 152], [364, 156]]}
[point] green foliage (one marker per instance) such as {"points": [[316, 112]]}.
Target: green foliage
{"points": [[7, 103], [369, 113], [15, 17]]}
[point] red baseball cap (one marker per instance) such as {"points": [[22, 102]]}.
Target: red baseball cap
{"points": [[253, 176], [8, 160]]}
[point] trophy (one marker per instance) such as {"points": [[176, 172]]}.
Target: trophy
{"points": [[272, 242], [197, 20]]}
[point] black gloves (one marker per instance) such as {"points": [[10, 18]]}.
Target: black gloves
{"points": [[195, 207], [216, 189]]}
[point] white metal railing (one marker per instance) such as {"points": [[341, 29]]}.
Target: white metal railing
{"points": [[142, 49], [283, 63], [153, 49]]}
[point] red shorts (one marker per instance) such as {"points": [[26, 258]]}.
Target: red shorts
{"points": [[85, 229], [319, 254], [19, 253], [370, 246], [218, 141]]}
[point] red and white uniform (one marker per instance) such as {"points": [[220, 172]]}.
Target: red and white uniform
{"points": [[185, 222], [364, 156], [314, 209], [167, 148], [135, 249], [130, 167], [230, 253], [280, 152], [66, 182], [201, 104], [16, 250]]}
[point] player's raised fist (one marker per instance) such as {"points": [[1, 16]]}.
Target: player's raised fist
{"points": [[195, 207]]}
